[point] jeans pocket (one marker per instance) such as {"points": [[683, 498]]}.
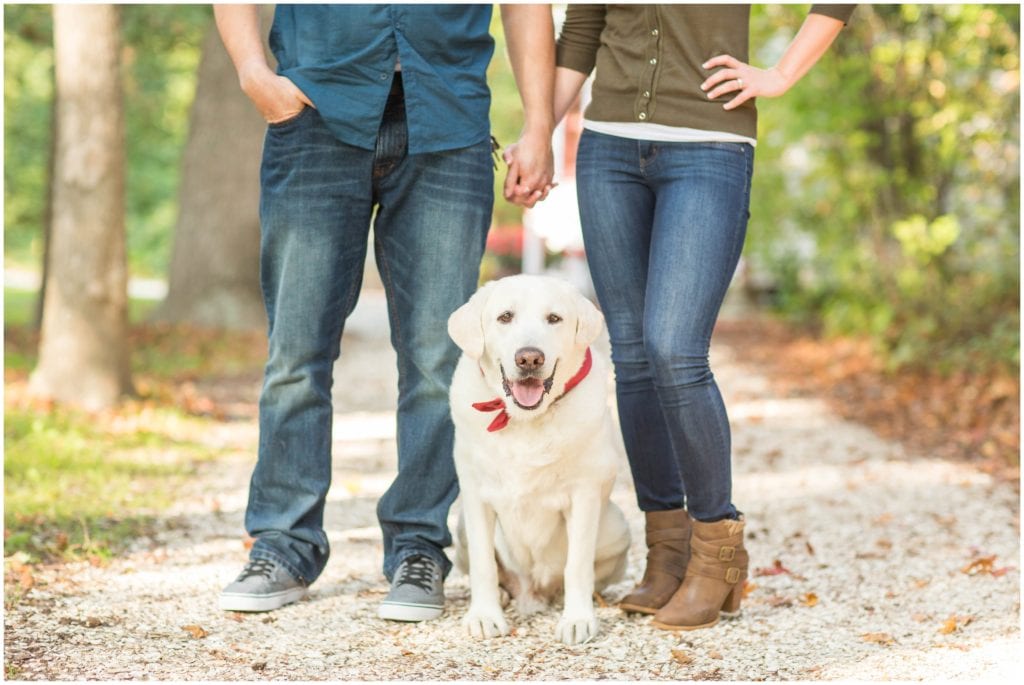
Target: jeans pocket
{"points": [[738, 148], [278, 125]]}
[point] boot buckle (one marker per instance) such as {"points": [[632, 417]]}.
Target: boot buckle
{"points": [[732, 575], [726, 553]]}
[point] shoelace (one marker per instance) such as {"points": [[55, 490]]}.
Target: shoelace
{"points": [[257, 567], [418, 571]]}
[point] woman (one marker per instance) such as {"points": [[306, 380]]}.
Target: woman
{"points": [[663, 181]]}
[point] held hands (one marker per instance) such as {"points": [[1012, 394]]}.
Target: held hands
{"points": [[742, 80], [276, 97], [531, 167]]}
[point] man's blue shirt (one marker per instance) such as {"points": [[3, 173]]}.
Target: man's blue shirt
{"points": [[343, 58]]}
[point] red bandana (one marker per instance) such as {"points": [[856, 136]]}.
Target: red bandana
{"points": [[498, 404]]}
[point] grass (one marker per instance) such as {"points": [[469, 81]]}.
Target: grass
{"points": [[76, 486], [85, 486], [20, 307]]}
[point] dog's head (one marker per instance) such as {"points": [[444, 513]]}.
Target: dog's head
{"points": [[529, 335]]}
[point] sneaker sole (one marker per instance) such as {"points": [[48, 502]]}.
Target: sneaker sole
{"points": [[393, 611], [276, 600]]}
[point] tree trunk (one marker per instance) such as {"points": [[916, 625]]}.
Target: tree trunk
{"points": [[214, 272], [83, 350]]}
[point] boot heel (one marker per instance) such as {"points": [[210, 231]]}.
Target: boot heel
{"points": [[731, 605]]}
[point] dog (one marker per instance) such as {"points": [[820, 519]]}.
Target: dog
{"points": [[535, 454]]}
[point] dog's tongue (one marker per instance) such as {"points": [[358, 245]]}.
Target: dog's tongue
{"points": [[528, 392]]}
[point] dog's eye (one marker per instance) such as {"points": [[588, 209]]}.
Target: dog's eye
{"points": [[505, 317], [554, 318]]}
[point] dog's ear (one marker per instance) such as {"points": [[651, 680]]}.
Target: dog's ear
{"points": [[589, 321], [465, 325]]}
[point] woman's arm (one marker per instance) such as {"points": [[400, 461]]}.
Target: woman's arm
{"points": [[811, 42]]}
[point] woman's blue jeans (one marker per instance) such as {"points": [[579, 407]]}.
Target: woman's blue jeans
{"points": [[663, 225], [432, 216]]}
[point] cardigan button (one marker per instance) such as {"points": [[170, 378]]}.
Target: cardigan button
{"points": [[647, 93], [654, 60], [654, 32], [642, 116]]}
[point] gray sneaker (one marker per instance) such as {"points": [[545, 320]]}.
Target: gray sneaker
{"points": [[417, 592], [262, 586]]}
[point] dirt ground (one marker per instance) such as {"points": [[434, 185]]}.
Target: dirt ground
{"points": [[869, 561]]}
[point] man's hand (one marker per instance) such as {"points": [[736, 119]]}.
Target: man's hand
{"points": [[529, 32], [276, 97], [531, 167]]}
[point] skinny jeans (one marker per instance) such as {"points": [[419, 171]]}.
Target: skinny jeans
{"points": [[663, 226]]}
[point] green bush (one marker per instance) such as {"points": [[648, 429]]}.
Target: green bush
{"points": [[887, 190]]}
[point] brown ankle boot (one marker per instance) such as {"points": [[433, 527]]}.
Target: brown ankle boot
{"points": [[714, 578], [668, 551]]}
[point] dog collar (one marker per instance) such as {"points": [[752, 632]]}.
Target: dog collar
{"points": [[498, 404]]}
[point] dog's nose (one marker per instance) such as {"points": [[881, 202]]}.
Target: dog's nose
{"points": [[529, 358]]}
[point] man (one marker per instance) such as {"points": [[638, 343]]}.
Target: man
{"points": [[373, 108]]}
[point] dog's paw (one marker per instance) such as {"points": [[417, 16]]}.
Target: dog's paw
{"points": [[484, 624], [575, 630]]}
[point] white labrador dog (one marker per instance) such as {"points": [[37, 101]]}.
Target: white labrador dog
{"points": [[535, 455]]}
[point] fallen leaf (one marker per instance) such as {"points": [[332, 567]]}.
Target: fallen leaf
{"points": [[247, 542], [776, 601], [25, 578], [195, 631], [681, 657], [948, 626], [810, 599], [92, 622], [777, 569], [884, 639], [1003, 571], [810, 549], [237, 616], [259, 665], [748, 588], [979, 566], [715, 655]]}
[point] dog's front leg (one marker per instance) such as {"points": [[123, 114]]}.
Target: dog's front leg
{"points": [[485, 617], [579, 621]]}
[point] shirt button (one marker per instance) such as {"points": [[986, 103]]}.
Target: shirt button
{"points": [[383, 77], [654, 60], [654, 32], [642, 116]]}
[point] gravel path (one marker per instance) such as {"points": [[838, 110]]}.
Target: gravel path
{"points": [[867, 563]]}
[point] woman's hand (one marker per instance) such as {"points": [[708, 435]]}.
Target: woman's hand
{"points": [[530, 170], [743, 80], [810, 43]]}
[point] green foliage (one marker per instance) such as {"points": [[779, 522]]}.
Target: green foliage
{"points": [[886, 195], [28, 93], [161, 45], [73, 488]]}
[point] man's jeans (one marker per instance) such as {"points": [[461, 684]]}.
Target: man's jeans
{"points": [[663, 225], [433, 212]]}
